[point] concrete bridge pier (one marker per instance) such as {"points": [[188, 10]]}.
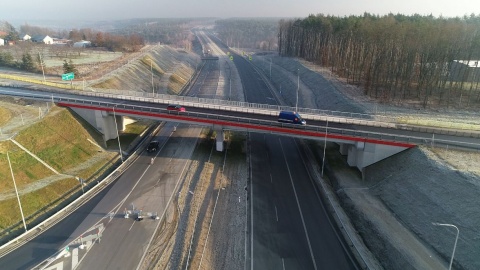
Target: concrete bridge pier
{"points": [[220, 137], [112, 125]]}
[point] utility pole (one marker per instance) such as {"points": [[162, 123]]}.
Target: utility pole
{"points": [[118, 136], [151, 71], [270, 68], [16, 191], [298, 87]]}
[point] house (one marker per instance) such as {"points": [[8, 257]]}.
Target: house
{"points": [[2, 42], [82, 44], [465, 70], [26, 37], [60, 41], [44, 39]]}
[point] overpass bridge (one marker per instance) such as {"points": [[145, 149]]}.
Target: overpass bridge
{"points": [[363, 139]]}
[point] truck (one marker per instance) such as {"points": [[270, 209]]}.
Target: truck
{"points": [[291, 117]]}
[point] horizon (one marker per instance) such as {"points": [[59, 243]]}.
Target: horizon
{"points": [[22, 12]]}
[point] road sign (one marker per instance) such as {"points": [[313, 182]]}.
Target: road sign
{"points": [[231, 57], [250, 57], [68, 76]]}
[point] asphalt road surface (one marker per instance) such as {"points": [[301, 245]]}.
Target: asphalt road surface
{"points": [[289, 228]]}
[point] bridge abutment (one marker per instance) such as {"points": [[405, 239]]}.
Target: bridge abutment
{"points": [[363, 154], [103, 121]]}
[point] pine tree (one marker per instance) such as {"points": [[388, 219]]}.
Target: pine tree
{"points": [[69, 67], [27, 63]]}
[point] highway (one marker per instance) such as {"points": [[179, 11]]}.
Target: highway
{"points": [[289, 226]]}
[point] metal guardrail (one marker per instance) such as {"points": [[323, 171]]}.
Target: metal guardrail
{"points": [[265, 110]]}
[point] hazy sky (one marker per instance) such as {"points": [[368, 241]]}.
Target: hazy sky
{"points": [[26, 10]]}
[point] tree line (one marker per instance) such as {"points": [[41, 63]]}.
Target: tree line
{"points": [[393, 57], [258, 33]]}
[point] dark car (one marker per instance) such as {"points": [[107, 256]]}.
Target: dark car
{"points": [[176, 107], [153, 146]]}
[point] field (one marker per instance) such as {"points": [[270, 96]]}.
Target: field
{"points": [[54, 55]]}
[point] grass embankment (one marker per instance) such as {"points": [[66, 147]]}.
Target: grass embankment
{"points": [[5, 116], [66, 143]]}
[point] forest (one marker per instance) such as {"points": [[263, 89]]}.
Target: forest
{"points": [[257, 33], [424, 59]]}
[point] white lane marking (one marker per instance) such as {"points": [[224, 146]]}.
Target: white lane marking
{"points": [[283, 263], [131, 226], [299, 208], [276, 213], [74, 257]]}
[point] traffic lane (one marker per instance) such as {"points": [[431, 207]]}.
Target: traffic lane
{"points": [[122, 186], [295, 250], [124, 242], [266, 241], [278, 237], [326, 245], [256, 91], [208, 88]]}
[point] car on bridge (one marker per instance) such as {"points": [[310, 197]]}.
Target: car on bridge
{"points": [[176, 107]]}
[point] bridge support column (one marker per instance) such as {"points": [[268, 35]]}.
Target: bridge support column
{"points": [[109, 127], [344, 149], [220, 138]]}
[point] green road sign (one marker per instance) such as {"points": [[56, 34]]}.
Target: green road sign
{"points": [[250, 58], [68, 76], [231, 57]]}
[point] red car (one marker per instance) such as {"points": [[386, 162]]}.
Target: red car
{"points": [[175, 107]]}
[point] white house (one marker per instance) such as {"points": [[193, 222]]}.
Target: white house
{"points": [[26, 37], [44, 39], [2, 42]]}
